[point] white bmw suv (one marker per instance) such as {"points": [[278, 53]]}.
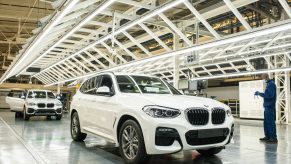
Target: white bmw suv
{"points": [[145, 115]]}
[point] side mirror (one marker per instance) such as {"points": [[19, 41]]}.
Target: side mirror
{"points": [[104, 90], [58, 97], [22, 97]]}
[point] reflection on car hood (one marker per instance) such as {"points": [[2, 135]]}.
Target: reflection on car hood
{"points": [[177, 101]]}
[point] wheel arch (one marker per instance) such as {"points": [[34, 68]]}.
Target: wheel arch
{"points": [[72, 112], [122, 119]]}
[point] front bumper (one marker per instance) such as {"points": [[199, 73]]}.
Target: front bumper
{"points": [[174, 135], [30, 111]]}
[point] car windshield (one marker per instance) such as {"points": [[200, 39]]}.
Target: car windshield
{"points": [[39, 94], [151, 85]]}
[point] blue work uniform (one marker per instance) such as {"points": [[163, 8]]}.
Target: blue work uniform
{"points": [[270, 109]]}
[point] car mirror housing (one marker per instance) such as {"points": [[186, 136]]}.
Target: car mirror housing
{"points": [[22, 97], [104, 90]]}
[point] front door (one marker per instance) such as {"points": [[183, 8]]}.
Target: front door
{"points": [[102, 109]]}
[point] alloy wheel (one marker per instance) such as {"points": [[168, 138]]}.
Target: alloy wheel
{"points": [[75, 126], [130, 142]]}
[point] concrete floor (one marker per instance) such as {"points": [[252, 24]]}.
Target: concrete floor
{"points": [[49, 141]]}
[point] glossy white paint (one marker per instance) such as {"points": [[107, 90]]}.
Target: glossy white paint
{"points": [[100, 116], [15, 104], [18, 104]]}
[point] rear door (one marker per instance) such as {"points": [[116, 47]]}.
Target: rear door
{"points": [[87, 89], [14, 100]]}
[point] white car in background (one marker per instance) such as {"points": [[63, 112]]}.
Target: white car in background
{"points": [[34, 103], [145, 115]]}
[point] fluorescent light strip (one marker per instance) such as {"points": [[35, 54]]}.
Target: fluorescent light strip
{"points": [[165, 69], [286, 69], [46, 31], [124, 28], [252, 44], [90, 17]]}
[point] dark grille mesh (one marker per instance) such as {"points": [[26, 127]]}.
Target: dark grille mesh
{"points": [[50, 105], [218, 116], [198, 116], [41, 105]]}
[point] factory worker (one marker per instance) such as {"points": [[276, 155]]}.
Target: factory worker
{"points": [[269, 97]]}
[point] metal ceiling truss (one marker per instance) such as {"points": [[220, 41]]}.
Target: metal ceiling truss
{"points": [[95, 37], [232, 58], [110, 51]]}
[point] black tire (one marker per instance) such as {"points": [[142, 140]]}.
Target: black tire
{"points": [[18, 115], [25, 116], [141, 155], [75, 128], [210, 152], [59, 117]]}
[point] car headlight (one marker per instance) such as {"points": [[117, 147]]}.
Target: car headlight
{"points": [[228, 112], [59, 104], [161, 112], [31, 104]]}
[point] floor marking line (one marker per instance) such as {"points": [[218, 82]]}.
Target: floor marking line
{"points": [[34, 154]]}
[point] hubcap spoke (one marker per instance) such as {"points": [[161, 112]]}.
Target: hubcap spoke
{"points": [[75, 126], [130, 142]]}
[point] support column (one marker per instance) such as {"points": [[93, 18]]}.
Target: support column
{"points": [[59, 89], [176, 77], [283, 90]]}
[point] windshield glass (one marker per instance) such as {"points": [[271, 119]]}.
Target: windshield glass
{"points": [[151, 85], [50, 95], [173, 89], [39, 94]]}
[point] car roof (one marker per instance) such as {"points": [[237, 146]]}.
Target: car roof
{"points": [[116, 73]]}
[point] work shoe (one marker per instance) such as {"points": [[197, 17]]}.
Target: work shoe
{"points": [[272, 141], [264, 139]]}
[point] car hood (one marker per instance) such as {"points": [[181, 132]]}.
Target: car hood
{"points": [[181, 102], [34, 100]]}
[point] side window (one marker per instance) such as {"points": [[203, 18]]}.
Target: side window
{"points": [[126, 85], [15, 94], [90, 85], [83, 88], [30, 95], [10, 94], [93, 85], [107, 81]]}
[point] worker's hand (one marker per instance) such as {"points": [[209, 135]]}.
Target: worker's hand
{"points": [[257, 93]]}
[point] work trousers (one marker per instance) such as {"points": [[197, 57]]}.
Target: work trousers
{"points": [[270, 123]]}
